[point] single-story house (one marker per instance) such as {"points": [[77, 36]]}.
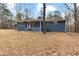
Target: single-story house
{"points": [[37, 25]]}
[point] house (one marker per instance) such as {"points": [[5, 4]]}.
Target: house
{"points": [[36, 25]]}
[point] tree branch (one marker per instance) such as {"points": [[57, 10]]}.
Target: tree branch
{"points": [[68, 7]]}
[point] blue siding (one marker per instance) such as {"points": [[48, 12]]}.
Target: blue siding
{"points": [[59, 27], [23, 27]]}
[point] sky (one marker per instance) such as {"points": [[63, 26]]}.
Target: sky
{"points": [[36, 7]]}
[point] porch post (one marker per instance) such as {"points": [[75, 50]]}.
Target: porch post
{"points": [[27, 25]]}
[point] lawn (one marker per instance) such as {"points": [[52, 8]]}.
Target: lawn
{"points": [[14, 42]]}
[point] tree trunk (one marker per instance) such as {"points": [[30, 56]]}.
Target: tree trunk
{"points": [[75, 16], [44, 25]]}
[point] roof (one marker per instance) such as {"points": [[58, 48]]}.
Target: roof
{"points": [[41, 20]]}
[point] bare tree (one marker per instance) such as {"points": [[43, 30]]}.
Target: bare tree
{"points": [[18, 16], [50, 17], [55, 16], [78, 18], [27, 14], [75, 14], [5, 14]]}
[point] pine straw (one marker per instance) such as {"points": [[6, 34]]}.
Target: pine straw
{"points": [[20, 43]]}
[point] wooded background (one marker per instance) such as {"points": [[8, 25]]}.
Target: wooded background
{"points": [[71, 10]]}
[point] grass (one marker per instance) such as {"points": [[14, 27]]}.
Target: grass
{"points": [[14, 42]]}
